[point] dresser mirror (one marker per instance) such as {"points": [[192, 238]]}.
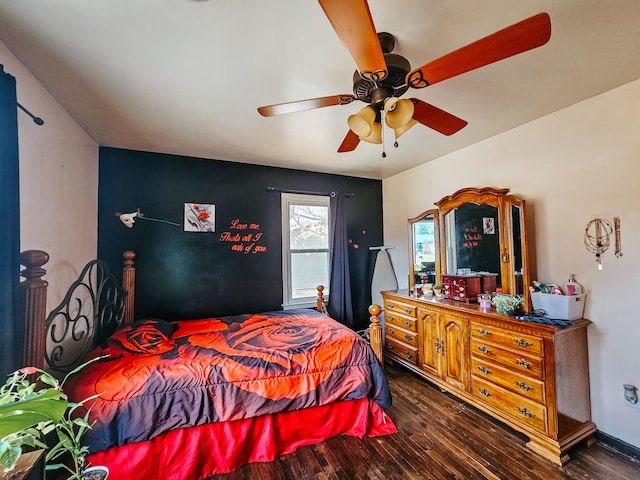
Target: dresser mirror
{"points": [[476, 231], [424, 258]]}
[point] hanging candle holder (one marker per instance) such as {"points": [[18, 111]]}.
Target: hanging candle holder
{"points": [[597, 238]]}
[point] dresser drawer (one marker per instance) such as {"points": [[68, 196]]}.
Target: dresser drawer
{"points": [[399, 307], [528, 365], [514, 381], [406, 352], [516, 406], [405, 336], [513, 340], [398, 320]]}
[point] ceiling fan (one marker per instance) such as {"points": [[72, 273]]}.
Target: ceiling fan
{"points": [[383, 77]]}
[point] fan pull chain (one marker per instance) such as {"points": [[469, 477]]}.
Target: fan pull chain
{"points": [[382, 115]]}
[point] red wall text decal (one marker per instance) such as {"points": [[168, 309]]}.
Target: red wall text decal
{"points": [[244, 237]]}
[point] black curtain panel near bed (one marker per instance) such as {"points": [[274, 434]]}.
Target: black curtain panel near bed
{"points": [[10, 331], [340, 306]]}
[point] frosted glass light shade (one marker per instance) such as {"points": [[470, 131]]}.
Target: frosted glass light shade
{"points": [[361, 122], [376, 134], [405, 128], [398, 112]]}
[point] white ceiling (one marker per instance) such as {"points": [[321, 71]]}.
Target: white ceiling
{"points": [[185, 77]]}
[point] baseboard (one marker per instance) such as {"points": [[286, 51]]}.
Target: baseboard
{"points": [[618, 445]]}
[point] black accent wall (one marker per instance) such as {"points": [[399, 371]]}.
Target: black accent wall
{"points": [[184, 275]]}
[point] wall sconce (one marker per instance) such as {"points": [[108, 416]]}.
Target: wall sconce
{"points": [[130, 218]]}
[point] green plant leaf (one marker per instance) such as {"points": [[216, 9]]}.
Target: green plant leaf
{"points": [[9, 456], [48, 380], [15, 422], [54, 466], [80, 367], [49, 405]]}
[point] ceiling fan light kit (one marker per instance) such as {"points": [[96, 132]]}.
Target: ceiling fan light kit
{"points": [[382, 77]]}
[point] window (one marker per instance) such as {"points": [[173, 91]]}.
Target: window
{"points": [[305, 248]]}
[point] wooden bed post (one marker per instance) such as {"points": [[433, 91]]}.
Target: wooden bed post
{"points": [[375, 332], [320, 300], [34, 307], [128, 284]]}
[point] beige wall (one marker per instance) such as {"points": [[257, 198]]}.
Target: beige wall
{"points": [[58, 182], [570, 167]]}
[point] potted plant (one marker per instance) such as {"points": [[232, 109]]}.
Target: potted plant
{"points": [[437, 289], [509, 304], [32, 409], [27, 413], [69, 430]]}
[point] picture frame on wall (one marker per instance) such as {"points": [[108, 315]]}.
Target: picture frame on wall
{"points": [[489, 226], [199, 217]]}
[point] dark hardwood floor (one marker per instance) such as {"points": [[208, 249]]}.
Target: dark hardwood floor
{"points": [[440, 438]]}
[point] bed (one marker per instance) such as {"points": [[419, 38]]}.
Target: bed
{"points": [[193, 398]]}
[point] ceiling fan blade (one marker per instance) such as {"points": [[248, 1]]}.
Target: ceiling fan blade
{"points": [[530, 33], [349, 143], [437, 119], [300, 105], [354, 26]]}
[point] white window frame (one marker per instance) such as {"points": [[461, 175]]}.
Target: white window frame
{"points": [[287, 200]]}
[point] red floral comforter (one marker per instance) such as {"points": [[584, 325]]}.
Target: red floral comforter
{"points": [[161, 376]]}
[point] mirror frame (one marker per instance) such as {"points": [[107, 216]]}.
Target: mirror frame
{"points": [[511, 202], [436, 221], [505, 203]]}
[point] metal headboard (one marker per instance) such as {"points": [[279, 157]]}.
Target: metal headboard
{"points": [[91, 310]]}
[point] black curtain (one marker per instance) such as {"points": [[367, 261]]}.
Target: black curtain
{"points": [[340, 306], [10, 327]]}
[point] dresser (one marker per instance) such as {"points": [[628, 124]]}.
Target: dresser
{"points": [[532, 377]]}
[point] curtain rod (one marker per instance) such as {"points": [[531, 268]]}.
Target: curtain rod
{"points": [[36, 120], [305, 192]]}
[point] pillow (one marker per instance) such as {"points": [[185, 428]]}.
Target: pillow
{"points": [[150, 336]]}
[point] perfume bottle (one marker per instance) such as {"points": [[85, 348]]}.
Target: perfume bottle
{"points": [[572, 287]]}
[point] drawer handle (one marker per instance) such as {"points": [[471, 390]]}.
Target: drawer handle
{"points": [[484, 349], [390, 330], [408, 337], [523, 363], [485, 392], [390, 346], [407, 310], [524, 386], [484, 332], [391, 305], [484, 370], [527, 413], [407, 323], [522, 342], [409, 355]]}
